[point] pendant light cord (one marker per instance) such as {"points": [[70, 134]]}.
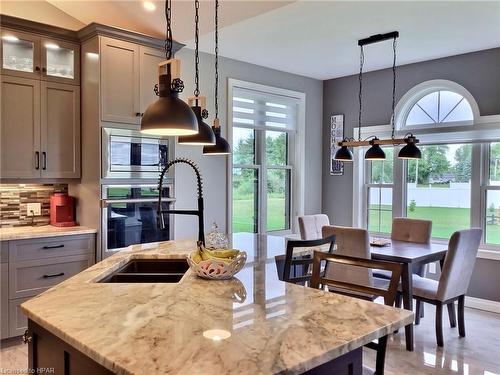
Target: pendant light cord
{"points": [[394, 45], [216, 58], [196, 52], [360, 95], [168, 39]]}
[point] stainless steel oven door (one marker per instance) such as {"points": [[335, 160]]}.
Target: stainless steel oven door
{"points": [[130, 154], [129, 216]]}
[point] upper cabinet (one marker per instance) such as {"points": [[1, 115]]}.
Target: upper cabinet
{"points": [[31, 56], [129, 73]]}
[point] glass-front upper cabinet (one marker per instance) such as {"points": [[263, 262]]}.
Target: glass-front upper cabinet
{"points": [[60, 61], [20, 54]]}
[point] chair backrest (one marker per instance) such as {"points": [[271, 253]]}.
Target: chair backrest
{"points": [[351, 242], [356, 289], [459, 263], [411, 230], [310, 226], [295, 268]]}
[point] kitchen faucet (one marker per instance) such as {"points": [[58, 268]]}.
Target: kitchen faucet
{"points": [[198, 212]]}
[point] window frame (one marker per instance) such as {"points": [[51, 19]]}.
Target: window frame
{"points": [[295, 156]]}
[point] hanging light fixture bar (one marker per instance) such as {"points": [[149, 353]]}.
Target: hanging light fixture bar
{"points": [[410, 150]]}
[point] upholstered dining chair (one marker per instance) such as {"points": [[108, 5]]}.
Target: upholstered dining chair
{"points": [[453, 282], [353, 242], [310, 226], [295, 268], [356, 289]]}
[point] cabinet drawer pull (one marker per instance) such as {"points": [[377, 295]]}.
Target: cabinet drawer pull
{"points": [[54, 275], [27, 338], [138, 114], [44, 154], [37, 160], [53, 247]]}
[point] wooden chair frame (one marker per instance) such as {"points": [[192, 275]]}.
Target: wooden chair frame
{"points": [[319, 281]]}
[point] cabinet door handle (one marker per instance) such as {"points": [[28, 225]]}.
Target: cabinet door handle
{"points": [[44, 154], [37, 160], [53, 247], [44, 69], [37, 68], [27, 338], [53, 275], [138, 114]]}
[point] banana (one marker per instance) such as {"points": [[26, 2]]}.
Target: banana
{"points": [[223, 253]]}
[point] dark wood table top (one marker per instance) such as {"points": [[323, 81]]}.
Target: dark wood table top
{"points": [[409, 252]]}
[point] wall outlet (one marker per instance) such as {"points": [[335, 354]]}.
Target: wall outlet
{"points": [[432, 268], [34, 209]]}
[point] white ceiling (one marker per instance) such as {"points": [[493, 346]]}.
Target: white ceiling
{"points": [[312, 38]]}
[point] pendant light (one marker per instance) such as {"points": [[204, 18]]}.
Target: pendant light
{"points": [[221, 146], [375, 152], [169, 115], [205, 135]]}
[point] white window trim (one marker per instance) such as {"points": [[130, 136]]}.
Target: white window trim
{"points": [[298, 185], [412, 96], [485, 129]]}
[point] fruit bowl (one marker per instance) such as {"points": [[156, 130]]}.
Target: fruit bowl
{"points": [[217, 269]]}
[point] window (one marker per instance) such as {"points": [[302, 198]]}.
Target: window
{"points": [[492, 222], [440, 107], [264, 127], [379, 190], [439, 188]]}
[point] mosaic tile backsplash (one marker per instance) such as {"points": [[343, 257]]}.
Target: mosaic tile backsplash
{"points": [[15, 197]]}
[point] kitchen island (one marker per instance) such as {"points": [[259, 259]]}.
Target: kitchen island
{"points": [[251, 324]]}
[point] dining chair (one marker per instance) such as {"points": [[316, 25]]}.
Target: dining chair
{"points": [[453, 281], [353, 242], [388, 292], [310, 226], [295, 268]]}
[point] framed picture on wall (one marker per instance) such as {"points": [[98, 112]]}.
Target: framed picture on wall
{"points": [[336, 135]]}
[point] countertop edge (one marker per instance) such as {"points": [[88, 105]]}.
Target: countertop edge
{"points": [[49, 232]]}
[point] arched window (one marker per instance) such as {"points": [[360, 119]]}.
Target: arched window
{"points": [[436, 103]]}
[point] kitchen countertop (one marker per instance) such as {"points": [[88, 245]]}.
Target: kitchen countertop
{"points": [[274, 327], [26, 232]]}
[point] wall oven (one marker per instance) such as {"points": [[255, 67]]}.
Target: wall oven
{"points": [[129, 215], [130, 154]]}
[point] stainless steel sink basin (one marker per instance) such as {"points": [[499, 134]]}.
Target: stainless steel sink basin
{"points": [[149, 271]]}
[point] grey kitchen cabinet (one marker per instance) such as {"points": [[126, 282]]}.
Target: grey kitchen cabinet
{"points": [[30, 55], [60, 130], [20, 128], [149, 60], [120, 97], [40, 129], [31, 266]]}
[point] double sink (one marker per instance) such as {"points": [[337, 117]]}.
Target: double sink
{"points": [[149, 271]]}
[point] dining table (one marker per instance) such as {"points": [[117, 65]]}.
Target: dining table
{"points": [[410, 255]]}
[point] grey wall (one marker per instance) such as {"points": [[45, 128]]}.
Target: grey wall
{"points": [[214, 168], [478, 72]]}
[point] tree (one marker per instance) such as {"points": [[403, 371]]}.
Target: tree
{"points": [[382, 171], [463, 166], [434, 161], [495, 161]]}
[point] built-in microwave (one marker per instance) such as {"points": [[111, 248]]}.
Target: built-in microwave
{"points": [[129, 215], [132, 155]]}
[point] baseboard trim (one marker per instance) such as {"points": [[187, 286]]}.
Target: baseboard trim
{"points": [[482, 304]]}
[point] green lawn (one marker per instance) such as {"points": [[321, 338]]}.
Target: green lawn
{"points": [[444, 220]]}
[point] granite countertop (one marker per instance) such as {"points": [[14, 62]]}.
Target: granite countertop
{"points": [[26, 232], [273, 327]]}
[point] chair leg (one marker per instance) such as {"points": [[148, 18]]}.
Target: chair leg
{"points": [[451, 314], [417, 312], [380, 361], [422, 310], [398, 300], [439, 324], [461, 317]]}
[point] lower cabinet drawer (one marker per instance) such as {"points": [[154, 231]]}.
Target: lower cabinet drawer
{"points": [[35, 276], [18, 322]]}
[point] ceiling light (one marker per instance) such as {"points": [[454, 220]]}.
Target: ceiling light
{"points": [[375, 152], [410, 151], [216, 334], [343, 154], [10, 38], [52, 46], [169, 115], [149, 6]]}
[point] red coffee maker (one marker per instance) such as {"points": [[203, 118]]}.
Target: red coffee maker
{"points": [[62, 210]]}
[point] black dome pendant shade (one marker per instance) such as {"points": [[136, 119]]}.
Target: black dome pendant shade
{"points": [[410, 150], [375, 152], [169, 115], [343, 154], [221, 146], [205, 135]]}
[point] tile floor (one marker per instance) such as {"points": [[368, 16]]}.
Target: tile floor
{"points": [[477, 354]]}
